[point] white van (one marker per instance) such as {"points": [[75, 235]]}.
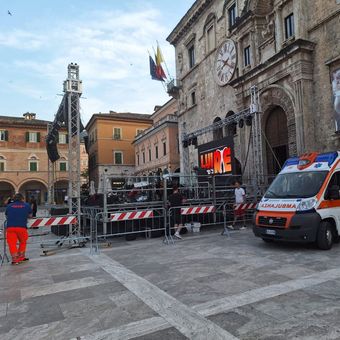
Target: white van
{"points": [[303, 202]]}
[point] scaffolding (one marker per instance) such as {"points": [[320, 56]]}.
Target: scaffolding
{"points": [[253, 113]]}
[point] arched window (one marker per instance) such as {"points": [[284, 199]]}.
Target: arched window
{"points": [[231, 128], [210, 32], [218, 132]]}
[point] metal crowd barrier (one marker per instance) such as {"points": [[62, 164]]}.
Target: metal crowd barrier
{"points": [[145, 221]]}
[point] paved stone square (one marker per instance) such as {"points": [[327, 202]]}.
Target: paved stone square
{"points": [[207, 286]]}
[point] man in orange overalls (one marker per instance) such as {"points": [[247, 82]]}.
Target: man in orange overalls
{"points": [[17, 214]]}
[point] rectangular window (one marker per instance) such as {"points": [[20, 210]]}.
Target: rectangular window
{"points": [[156, 151], [138, 159], [193, 98], [232, 15], [62, 166], [149, 154], [289, 26], [246, 56], [143, 157], [2, 166], [33, 137], [62, 138], [33, 166], [3, 135], [118, 157], [117, 133], [191, 52], [164, 148]]}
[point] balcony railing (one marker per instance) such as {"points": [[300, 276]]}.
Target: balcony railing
{"points": [[173, 87]]}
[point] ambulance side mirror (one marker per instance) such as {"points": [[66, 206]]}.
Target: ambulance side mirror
{"points": [[333, 192]]}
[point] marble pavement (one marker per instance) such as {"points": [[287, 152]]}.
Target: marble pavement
{"points": [[205, 287]]}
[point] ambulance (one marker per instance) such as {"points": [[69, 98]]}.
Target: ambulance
{"points": [[303, 202]]}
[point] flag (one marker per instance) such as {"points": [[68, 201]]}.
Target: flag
{"points": [[153, 70], [159, 56], [160, 72], [159, 60]]}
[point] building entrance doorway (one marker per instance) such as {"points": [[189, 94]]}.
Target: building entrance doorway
{"points": [[276, 140]]}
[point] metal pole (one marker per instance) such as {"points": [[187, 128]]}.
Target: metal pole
{"points": [[104, 204]]}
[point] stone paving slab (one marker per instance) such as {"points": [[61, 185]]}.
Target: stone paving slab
{"points": [[239, 287]]}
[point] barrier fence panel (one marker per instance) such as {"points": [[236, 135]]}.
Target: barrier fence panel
{"points": [[145, 222]]}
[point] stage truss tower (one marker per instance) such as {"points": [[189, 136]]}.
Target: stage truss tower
{"points": [[73, 91]]}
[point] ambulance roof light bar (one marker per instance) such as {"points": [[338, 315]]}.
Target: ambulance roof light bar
{"points": [[328, 157]]}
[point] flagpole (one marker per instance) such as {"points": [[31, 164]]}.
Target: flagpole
{"points": [[166, 66]]}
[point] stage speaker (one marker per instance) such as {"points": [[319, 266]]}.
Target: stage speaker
{"points": [[52, 150], [249, 120]]}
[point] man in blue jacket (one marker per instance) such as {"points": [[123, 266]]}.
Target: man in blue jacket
{"points": [[17, 214]]}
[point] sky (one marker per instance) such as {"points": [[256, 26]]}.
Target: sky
{"points": [[108, 39]]}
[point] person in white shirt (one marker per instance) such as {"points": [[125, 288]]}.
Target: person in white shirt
{"points": [[240, 197]]}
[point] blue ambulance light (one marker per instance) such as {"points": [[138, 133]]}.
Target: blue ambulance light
{"points": [[291, 161], [328, 157]]}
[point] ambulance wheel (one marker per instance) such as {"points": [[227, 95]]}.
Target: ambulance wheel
{"points": [[325, 237]]}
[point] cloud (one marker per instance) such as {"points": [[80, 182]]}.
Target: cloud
{"points": [[111, 49], [21, 40]]}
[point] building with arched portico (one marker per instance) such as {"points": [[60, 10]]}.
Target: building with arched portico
{"points": [[24, 160], [224, 47]]}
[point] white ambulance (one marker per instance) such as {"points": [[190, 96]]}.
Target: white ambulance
{"points": [[303, 202]]}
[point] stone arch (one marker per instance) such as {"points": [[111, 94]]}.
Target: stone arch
{"points": [[277, 96], [259, 7], [211, 16], [34, 187], [7, 189], [217, 133], [230, 129]]}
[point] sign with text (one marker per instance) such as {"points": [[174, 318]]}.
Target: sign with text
{"points": [[217, 157]]}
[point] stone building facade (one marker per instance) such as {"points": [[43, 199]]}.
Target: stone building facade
{"points": [[156, 148], [24, 161], [289, 49]]}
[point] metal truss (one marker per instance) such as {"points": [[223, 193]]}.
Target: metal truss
{"points": [[253, 112], [73, 91]]}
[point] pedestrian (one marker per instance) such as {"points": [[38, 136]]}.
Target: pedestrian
{"points": [[17, 214], [240, 198], [176, 200], [34, 206]]}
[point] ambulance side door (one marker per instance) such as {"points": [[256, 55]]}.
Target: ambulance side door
{"points": [[332, 199]]}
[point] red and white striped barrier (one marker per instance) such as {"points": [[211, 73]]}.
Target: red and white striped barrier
{"points": [[50, 221], [197, 210], [244, 206], [131, 215]]}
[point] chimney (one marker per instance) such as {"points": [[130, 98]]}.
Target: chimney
{"points": [[29, 115]]}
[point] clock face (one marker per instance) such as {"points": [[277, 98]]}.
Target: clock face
{"points": [[225, 62]]}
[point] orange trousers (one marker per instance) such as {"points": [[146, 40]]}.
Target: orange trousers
{"points": [[15, 235]]}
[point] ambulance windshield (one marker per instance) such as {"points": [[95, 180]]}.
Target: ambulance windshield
{"points": [[296, 185]]}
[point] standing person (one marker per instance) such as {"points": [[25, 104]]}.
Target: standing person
{"points": [[240, 197], [34, 206], [176, 200], [17, 214]]}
